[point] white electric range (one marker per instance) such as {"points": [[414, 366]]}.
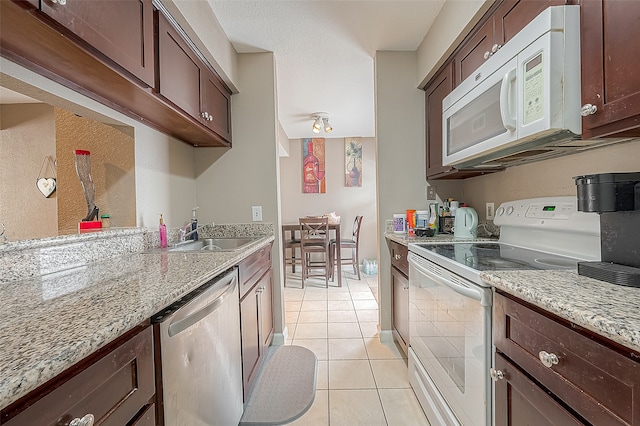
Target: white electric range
{"points": [[450, 307]]}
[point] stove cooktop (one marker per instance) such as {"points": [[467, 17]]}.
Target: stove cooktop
{"points": [[482, 256]]}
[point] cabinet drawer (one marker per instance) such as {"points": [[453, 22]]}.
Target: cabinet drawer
{"points": [[399, 254], [591, 377], [114, 388], [252, 268]]}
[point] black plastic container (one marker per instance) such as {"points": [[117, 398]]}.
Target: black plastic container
{"points": [[608, 192]]}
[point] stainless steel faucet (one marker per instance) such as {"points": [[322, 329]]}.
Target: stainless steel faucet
{"points": [[185, 232]]}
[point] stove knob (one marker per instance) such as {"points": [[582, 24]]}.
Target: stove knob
{"points": [[509, 210], [500, 211]]}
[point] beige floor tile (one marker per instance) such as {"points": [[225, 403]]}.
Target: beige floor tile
{"points": [[389, 373], [317, 346], [363, 304], [340, 305], [362, 295], [322, 380], [369, 329], [350, 374], [315, 295], [293, 306], [358, 286], [318, 414], [342, 316], [312, 316], [293, 294], [347, 349], [367, 315], [311, 331], [338, 295], [291, 317], [355, 407], [401, 407], [314, 305], [378, 350], [291, 331], [344, 330]]}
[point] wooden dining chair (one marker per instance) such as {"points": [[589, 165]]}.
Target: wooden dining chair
{"points": [[350, 246], [314, 247], [291, 242]]}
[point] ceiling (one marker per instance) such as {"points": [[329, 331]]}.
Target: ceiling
{"points": [[324, 53]]}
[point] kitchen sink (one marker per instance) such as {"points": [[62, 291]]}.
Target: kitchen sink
{"points": [[213, 244]]}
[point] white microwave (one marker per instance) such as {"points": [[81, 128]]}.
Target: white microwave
{"points": [[523, 102]]}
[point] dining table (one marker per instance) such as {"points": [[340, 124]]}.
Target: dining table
{"points": [[293, 228]]}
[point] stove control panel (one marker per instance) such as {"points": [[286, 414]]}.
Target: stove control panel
{"points": [[550, 211], [545, 213]]}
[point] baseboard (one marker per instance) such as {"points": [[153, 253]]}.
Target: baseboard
{"points": [[280, 339], [386, 336]]}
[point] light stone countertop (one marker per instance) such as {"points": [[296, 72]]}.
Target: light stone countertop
{"points": [[609, 310], [55, 320]]}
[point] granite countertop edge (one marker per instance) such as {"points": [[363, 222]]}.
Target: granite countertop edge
{"points": [[48, 330], [605, 309]]}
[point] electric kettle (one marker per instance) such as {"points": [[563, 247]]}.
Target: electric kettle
{"points": [[465, 224]]}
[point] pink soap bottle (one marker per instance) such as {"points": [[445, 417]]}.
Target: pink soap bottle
{"points": [[163, 233]]}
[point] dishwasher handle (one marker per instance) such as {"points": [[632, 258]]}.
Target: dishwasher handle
{"points": [[187, 315]]}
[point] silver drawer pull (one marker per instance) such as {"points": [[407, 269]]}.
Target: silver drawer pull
{"points": [[397, 257], [496, 374], [86, 420], [588, 109], [548, 359]]}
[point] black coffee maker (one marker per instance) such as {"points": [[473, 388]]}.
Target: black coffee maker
{"points": [[616, 198]]}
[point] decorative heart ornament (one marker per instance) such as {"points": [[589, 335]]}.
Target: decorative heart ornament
{"points": [[46, 185]]}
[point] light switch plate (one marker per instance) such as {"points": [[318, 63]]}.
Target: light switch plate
{"points": [[431, 192], [256, 213]]}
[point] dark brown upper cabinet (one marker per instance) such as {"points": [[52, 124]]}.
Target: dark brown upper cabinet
{"points": [[494, 30], [610, 32], [121, 30], [186, 81]]}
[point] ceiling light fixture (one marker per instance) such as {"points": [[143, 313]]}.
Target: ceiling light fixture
{"points": [[321, 121]]}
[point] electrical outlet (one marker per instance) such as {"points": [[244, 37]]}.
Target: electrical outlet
{"points": [[431, 192], [489, 211], [256, 213]]}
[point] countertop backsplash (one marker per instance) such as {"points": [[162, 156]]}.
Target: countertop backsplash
{"points": [[31, 258]]}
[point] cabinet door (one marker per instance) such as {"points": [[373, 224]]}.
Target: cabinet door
{"points": [[179, 70], [216, 102], [440, 87], [121, 30], [251, 344], [610, 75], [400, 288], [474, 52], [513, 15], [519, 401], [266, 310], [113, 387]]}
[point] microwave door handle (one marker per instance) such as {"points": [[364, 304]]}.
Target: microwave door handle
{"points": [[508, 121]]}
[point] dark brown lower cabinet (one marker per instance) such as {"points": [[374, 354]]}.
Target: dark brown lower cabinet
{"points": [[551, 370], [116, 385], [256, 313], [400, 289], [520, 401]]}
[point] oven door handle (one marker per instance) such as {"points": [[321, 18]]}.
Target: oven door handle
{"points": [[470, 291]]}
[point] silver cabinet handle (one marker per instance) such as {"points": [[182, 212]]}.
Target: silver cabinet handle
{"points": [[487, 54], [548, 359], [405, 287], [60, 2], [496, 374], [397, 257], [588, 109], [86, 420], [495, 48], [210, 117]]}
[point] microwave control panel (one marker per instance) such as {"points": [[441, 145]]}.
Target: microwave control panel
{"points": [[533, 89]]}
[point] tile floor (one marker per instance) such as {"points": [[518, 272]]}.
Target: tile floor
{"points": [[361, 381]]}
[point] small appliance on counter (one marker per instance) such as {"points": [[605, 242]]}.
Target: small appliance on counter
{"points": [[616, 198], [465, 223]]}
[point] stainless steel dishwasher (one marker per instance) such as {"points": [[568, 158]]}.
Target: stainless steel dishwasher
{"points": [[198, 340]]}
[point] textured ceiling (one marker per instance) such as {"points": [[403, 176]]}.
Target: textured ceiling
{"points": [[324, 52]]}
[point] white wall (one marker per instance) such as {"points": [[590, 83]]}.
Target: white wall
{"points": [[229, 182], [401, 157], [346, 202]]}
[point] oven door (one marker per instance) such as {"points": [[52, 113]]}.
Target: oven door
{"points": [[450, 335]]}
